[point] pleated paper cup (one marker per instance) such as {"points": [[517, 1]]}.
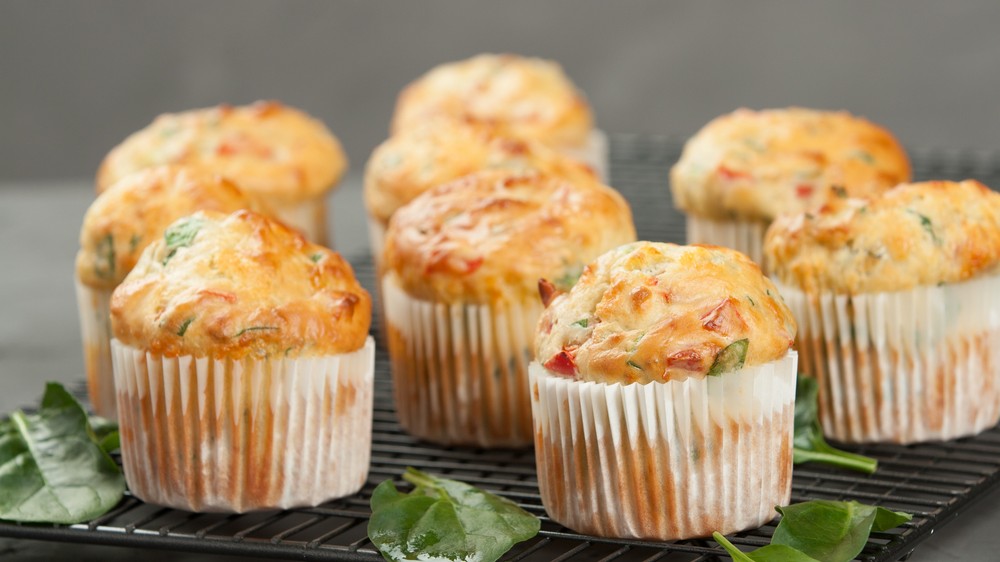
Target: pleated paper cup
{"points": [[376, 239], [308, 216], [594, 153], [460, 371], [665, 461], [903, 367], [95, 328], [744, 236], [204, 434]]}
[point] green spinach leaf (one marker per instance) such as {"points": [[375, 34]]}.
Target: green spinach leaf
{"points": [[444, 519], [52, 467], [809, 444], [181, 234], [731, 358], [819, 531], [832, 531]]}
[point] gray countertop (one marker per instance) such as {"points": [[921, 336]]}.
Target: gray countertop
{"points": [[40, 341]]}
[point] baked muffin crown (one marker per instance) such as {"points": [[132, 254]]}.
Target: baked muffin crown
{"points": [[267, 148], [919, 234], [415, 160], [239, 285], [653, 311], [526, 97], [756, 165], [135, 211], [490, 236]]}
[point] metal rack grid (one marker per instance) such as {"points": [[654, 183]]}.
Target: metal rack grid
{"points": [[933, 481]]}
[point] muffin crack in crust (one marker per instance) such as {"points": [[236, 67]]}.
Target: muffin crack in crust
{"points": [[658, 312], [240, 285]]}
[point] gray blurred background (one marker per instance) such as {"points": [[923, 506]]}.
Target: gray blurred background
{"points": [[77, 77]]}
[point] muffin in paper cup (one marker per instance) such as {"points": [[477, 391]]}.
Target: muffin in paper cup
{"points": [[462, 266], [663, 395], [116, 228], [442, 150], [243, 368], [523, 97], [900, 325], [286, 160], [744, 169]]}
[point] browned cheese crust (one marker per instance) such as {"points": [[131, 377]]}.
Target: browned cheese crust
{"points": [[268, 149], [441, 150], [919, 234], [756, 165], [239, 285], [490, 236], [133, 212], [526, 97], [653, 311]]}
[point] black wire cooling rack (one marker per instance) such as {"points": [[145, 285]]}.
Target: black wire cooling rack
{"points": [[933, 481]]}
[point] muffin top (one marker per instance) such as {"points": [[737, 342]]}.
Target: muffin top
{"points": [[654, 311], [917, 234], [239, 285], [267, 148], [526, 97], [756, 165], [415, 160], [490, 236], [134, 211]]}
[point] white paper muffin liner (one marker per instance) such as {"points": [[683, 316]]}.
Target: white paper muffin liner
{"points": [[903, 367], [308, 216], [95, 328], [205, 434], [665, 461], [745, 236], [460, 372], [594, 152]]}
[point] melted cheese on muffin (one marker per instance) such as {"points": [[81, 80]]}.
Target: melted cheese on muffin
{"points": [[267, 148], [415, 160], [653, 311], [526, 97], [492, 235], [913, 235], [239, 285], [135, 211], [756, 165]]}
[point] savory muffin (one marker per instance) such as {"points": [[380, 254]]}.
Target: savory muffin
{"points": [[462, 264], [660, 380], [744, 169], [523, 97], [441, 150], [275, 153], [117, 227], [244, 368], [897, 299]]}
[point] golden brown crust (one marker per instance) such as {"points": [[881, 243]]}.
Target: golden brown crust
{"points": [[268, 149], [491, 235], [415, 160], [913, 235], [239, 285], [756, 165], [527, 97], [653, 311], [134, 211]]}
